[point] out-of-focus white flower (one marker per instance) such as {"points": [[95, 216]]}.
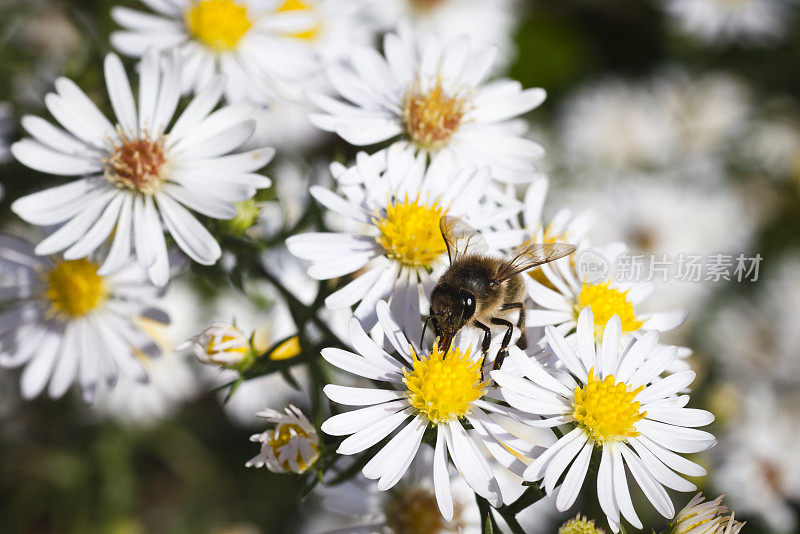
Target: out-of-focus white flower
{"points": [[617, 125], [409, 507], [171, 382], [433, 390], [732, 21], [433, 97], [66, 323], [709, 112], [52, 33], [580, 525], [221, 344], [397, 246], [699, 517], [136, 176], [759, 460], [773, 146], [489, 23], [291, 446], [613, 398], [261, 47]]}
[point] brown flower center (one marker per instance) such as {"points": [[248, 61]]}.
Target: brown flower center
{"points": [[432, 117], [136, 164]]}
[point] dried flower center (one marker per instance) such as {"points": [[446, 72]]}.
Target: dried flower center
{"points": [[425, 5], [414, 511], [580, 525], [606, 410], [287, 435], [443, 386], [136, 164], [74, 288], [410, 233], [607, 302], [218, 24], [432, 117], [303, 5]]}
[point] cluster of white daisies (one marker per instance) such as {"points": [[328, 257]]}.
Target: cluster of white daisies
{"points": [[446, 137]]}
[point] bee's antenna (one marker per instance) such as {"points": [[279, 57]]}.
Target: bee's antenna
{"points": [[424, 327]]}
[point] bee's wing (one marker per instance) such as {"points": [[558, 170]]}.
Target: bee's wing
{"points": [[530, 256], [461, 238]]}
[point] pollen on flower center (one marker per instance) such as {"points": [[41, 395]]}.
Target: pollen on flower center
{"points": [[444, 386], [282, 436], [74, 288], [580, 525], [218, 24], [606, 410], [607, 302], [432, 117], [136, 164], [410, 233], [414, 511]]}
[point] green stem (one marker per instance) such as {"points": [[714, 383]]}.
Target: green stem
{"points": [[532, 495], [511, 520]]}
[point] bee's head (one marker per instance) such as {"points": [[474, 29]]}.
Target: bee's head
{"points": [[451, 309]]}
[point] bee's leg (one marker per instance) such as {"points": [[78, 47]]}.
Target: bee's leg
{"points": [[523, 340], [487, 339], [501, 354]]}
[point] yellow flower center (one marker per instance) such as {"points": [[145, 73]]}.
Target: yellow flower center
{"points": [[606, 410], [74, 288], [432, 117], [414, 511], [410, 233], [213, 346], [607, 302], [218, 24], [444, 386], [580, 525], [286, 350], [136, 164], [301, 5], [285, 433]]}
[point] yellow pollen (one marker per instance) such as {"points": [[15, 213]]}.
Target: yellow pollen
{"points": [[444, 386], [607, 302], [580, 525], [606, 410], [218, 24], [414, 511], [282, 435], [301, 5], [410, 233], [286, 350], [74, 288], [432, 117], [136, 164]]}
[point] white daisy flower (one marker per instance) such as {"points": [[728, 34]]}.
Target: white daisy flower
{"points": [[434, 97], [260, 47], [395, 204], [221, 344], [563, 290], [699, 517], [434, 390], [136, 175], [724, 21], [489, 23], [614, 400], [291, 446], [65, 322]]}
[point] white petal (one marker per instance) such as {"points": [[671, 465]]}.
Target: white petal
{"points": [[191, 236], [120, 94]]}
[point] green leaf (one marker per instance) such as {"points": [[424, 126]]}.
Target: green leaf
{"points": [[487, 525]]}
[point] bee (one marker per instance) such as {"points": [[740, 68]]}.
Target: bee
{"points": [[482, 290]]}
